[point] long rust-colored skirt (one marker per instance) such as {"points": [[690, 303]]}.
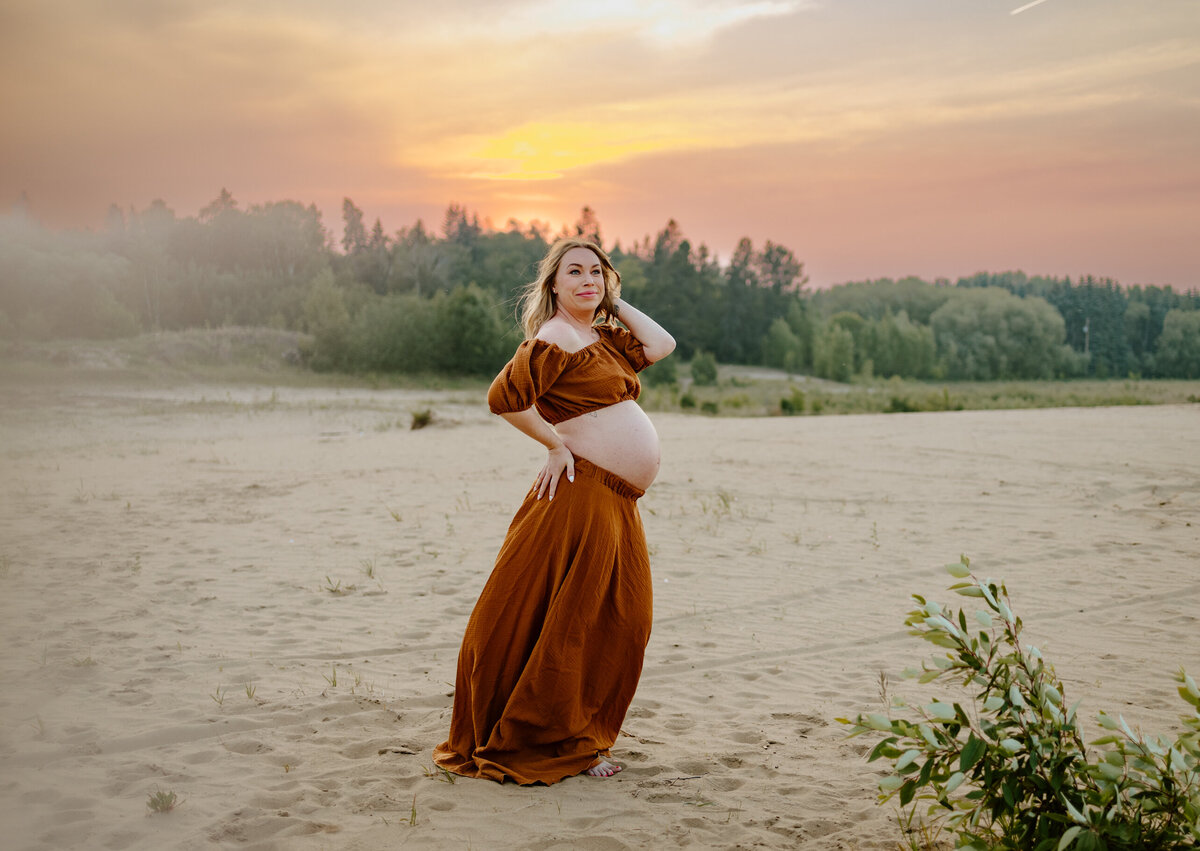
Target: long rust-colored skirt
{"points": [[554, 647]]}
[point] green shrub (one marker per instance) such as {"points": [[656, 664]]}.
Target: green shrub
{"points": [[1179, 345], [794, 404], [394, 333], [1007, 768], [781, 348], [325, 317], [660, 373], [687, 400], [833, 353], [420, 419], [704, 369], [990, 334], [161, 801], [469, 334], [710, 408]]}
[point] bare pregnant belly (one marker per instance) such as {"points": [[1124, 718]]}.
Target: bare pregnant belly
{"points": [[619, 438]]}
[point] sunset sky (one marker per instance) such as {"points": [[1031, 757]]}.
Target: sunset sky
{"points": [[872, 137]]}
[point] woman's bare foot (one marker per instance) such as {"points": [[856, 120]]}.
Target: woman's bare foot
{"points": [[603, 768]]}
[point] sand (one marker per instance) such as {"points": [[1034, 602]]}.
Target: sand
{"points": [[253, 598]]}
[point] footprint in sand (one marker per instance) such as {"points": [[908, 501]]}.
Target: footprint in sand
{"points": [[679, 724], [725, 784], [693, 766]]}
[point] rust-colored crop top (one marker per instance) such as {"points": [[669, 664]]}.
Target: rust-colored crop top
{"points": [[566, 384]]}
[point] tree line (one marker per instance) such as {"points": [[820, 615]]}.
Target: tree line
{"points": [[444, 301]]}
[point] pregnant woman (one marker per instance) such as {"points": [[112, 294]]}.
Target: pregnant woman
{"points": [[553, 649]]}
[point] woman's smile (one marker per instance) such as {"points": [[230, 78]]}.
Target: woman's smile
{"points": [[580, 278]]}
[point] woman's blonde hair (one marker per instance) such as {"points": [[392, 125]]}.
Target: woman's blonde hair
{"points": [[538, 302]]}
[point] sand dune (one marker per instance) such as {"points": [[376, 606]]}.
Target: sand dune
{"points": [[254, 598]]}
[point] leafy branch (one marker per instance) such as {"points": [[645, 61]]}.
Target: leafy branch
{"points": [[1007, 768]]}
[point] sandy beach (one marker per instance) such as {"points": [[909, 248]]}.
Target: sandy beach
{"points": [[253, 598]]}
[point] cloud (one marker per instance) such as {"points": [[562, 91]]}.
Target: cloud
{"points": [[832, 106], [661, 23], [665, 23]]}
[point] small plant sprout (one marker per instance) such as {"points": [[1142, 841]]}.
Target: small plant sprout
{"points": [[1006, 768], [332, 678], [412, 819], [162, 801], [337, 588], [219, 695], [440, 774], [368, 567], [251, 690]]}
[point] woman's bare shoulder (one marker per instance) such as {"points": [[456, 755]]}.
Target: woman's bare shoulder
{"points": [[562, 335]]}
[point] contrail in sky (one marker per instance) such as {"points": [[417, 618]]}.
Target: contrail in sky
{"points": [[1027, 6]]}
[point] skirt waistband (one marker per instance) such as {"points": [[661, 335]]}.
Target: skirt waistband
{"points": [[584, 467]]}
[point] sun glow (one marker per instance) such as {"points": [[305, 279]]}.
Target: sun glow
{"points": [[786, 112], [545, 150]]}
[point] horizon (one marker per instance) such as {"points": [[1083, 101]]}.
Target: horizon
{"points": [[934, 140], [551, 232]]}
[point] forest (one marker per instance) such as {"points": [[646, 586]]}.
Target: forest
{"points": [[420, 300]]}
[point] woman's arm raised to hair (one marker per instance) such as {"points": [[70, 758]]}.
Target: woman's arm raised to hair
{"points": [[655, 340], [560, 459]]}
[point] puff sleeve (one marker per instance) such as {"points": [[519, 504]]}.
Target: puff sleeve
{"points": [[629, 347], [536, 365]]}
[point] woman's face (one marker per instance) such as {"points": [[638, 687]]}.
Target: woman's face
{"points": [[579, 281]]}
